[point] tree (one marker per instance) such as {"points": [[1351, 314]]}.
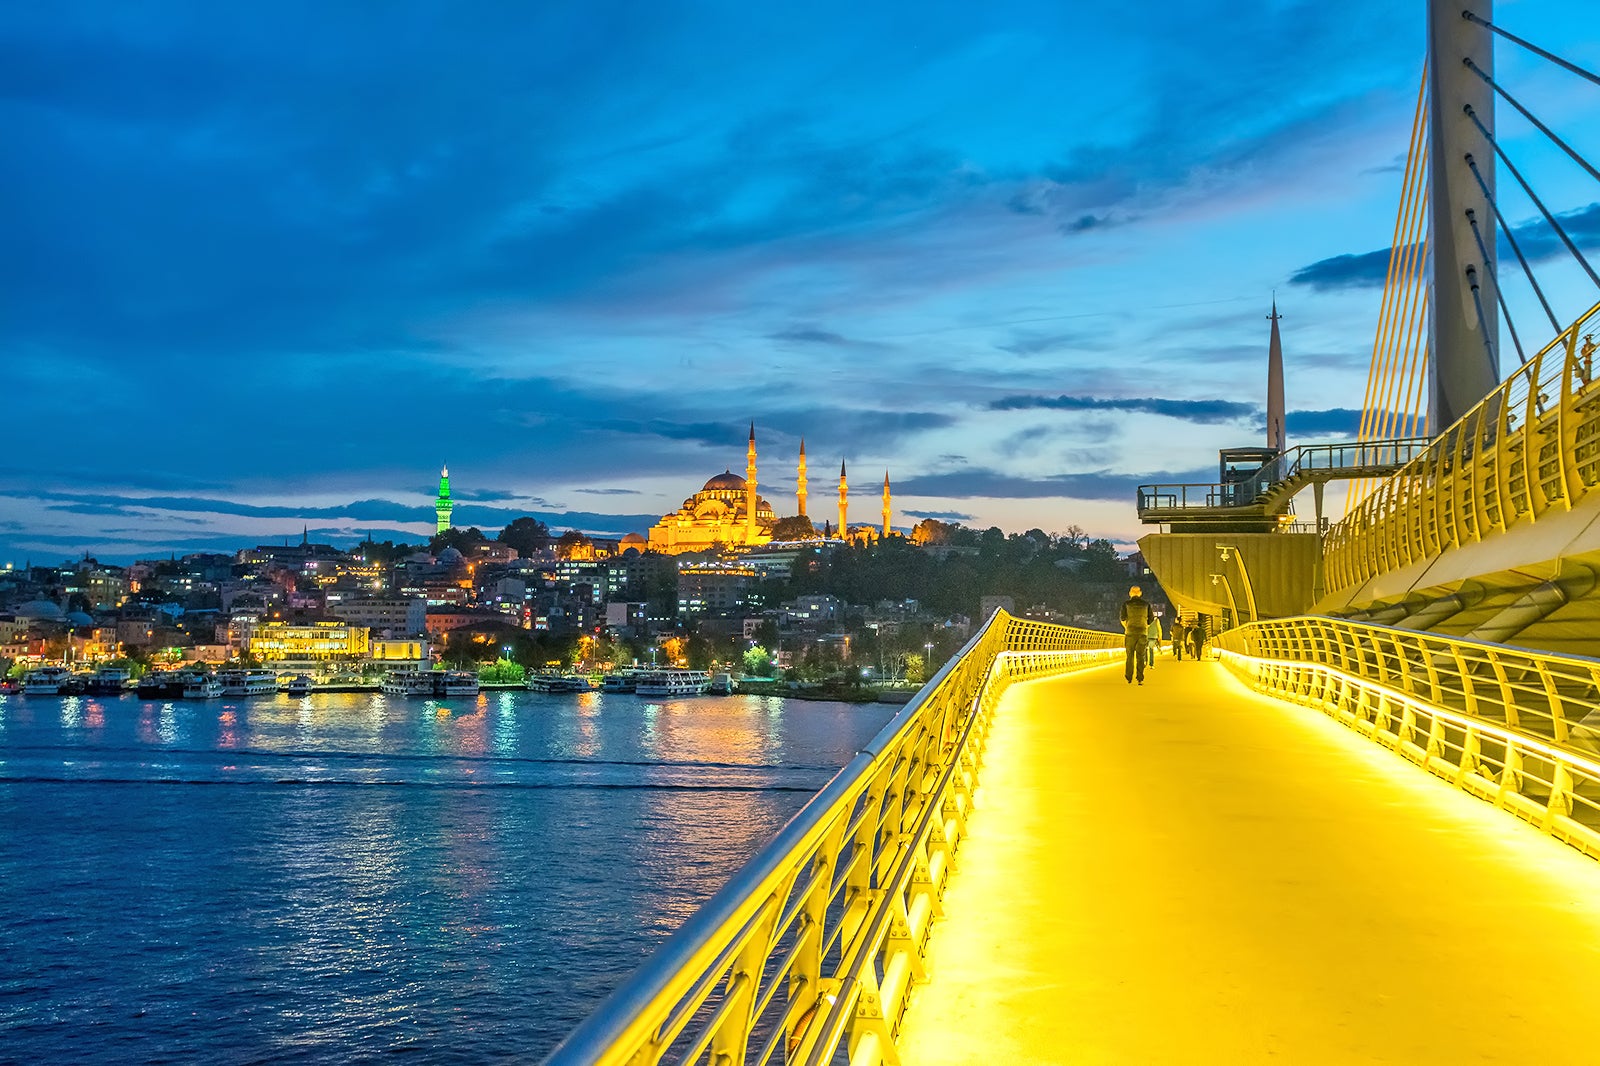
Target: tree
{"points": [[526, 535], [502, 672], [574, 545], [795, 527], [758, 662], [466, 541]]}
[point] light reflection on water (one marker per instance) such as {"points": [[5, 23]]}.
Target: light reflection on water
{"points": [[462, 878]]}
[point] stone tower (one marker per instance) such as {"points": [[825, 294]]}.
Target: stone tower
{"points": [[887, 510], [750, 488], [442, 506]]}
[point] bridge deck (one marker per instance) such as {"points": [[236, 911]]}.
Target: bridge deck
{"points": [[1188, 872]]}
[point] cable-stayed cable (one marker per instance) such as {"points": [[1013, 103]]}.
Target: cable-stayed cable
{"points": [[1543, 210], [1494, 276], [1530, 46], [1546, 130], [1511, 239]]}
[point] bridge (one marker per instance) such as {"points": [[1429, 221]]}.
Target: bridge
{"points": [[1364, 826]]}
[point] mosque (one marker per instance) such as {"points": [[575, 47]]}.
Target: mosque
{"points": [[728, 513]]}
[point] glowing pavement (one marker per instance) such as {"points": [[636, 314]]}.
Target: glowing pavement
{"points": [[1186, 872]]}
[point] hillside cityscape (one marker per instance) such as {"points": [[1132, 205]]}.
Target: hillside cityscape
{"points": [[721, 585]]}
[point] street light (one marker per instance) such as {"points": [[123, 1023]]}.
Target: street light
{"points": [[1249, 593], [1233, 607]]}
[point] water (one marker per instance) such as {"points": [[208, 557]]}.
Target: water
{"points": [[344, 878]]}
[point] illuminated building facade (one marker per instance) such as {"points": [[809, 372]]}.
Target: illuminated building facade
{"points": [[726, 513], [317, 641]]}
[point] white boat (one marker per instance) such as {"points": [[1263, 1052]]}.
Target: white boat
{"points": [[721, 685], [556, 683], [455, 683], [200, 686], [408, 683], [248, 682], [674, 683], [46, 681], [298, 687], [110, 680]]}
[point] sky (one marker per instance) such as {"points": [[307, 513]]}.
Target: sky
{"points": [[269, 266]]}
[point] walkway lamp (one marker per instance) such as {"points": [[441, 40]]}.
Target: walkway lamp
{"points": [[1233, 606], [1249, 592]]}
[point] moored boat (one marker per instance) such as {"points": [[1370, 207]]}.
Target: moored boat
{"points": [[161, 684], [674, 683], [109, 681], [408, 683], [558, 683], [455, 683], [201, 685], [298, 687], [47, 681], [620, 681], [248, 682]]}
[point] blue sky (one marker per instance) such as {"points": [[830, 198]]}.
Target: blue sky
{"points": [[268, 266]]}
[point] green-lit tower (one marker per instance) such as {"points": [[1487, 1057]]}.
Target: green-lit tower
{"points": [[442, 506]]}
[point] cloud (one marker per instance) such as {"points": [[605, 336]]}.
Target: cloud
{"points": [[609, 492], [1537, 241], [1334, 422], [1205, 412], [1034, 344], [943, 516], [808, 336], [992, 484]]}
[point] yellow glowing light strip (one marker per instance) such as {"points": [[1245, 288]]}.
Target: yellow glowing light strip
{"points": [[1564, 756]]}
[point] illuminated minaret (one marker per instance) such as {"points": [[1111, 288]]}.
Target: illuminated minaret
{"points": [[844, 504], [750, 489], [886, 508], [442, 506], [800, 490]]}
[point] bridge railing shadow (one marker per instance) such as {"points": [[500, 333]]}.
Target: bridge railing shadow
{"points": [[811, 948], [1516, 727]]}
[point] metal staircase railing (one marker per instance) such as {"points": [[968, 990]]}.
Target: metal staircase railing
{"points": [[814, 944], [1515, 727]]}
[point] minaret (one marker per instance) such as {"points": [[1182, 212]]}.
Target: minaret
{"points": [[844, 504], [1277, 440], [750, 489], [800, 489], [442, 506], [886, 507]]}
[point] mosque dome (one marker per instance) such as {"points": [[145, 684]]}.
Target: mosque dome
{"points": [[633, 540], [451, 557], [727, 481]]}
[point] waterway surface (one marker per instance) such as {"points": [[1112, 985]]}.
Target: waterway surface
{"points": [[347, 877]]}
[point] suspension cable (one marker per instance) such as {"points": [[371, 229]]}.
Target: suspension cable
{"points": [[1483, 323], [1530, 46], [1494, 276], [1543, 210], [1559, 143], [1511, 239]]}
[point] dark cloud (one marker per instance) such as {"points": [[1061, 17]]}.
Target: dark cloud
{"points": [[1037, 343], [1334, 422], [992, 484], [609, 492], [808, 336], [943, 516], [1205, 412], [1537, 240]]}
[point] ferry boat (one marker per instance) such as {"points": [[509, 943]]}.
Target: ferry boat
{"points": [[721, 685], [408, 683], [455, 683], [161, 685], [298, 687], [110, 681], [558, 683], [619, 681], [674, 683], [247, 682], [201, 686], [47, 681]]}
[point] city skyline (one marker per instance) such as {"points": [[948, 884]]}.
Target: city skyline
{"points": [[273, 272]]}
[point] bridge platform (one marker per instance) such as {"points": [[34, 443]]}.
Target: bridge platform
{"points": [[1189, 872]]}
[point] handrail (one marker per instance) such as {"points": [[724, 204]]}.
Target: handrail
{"points": [[815, 943], [1517, 727], [1531, 447], [1360, 458]]}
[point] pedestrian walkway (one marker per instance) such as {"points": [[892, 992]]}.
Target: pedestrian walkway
{"points": [[1187, 872]]}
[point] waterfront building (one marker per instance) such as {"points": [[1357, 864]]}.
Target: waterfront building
{"points": [[314, 641], [714, 588], [442, 506]]}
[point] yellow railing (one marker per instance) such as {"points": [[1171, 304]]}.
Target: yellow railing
{"points": [[1531, 447], [813, 946], [1517, 728]]}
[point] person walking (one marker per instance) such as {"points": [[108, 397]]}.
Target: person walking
{"points": [[1153, 638], [1180, 633], [1136, 617], [1197, 642]]}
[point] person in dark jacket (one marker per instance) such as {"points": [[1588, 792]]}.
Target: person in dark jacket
{"points": [[1136, 617], [1180, 637]]}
